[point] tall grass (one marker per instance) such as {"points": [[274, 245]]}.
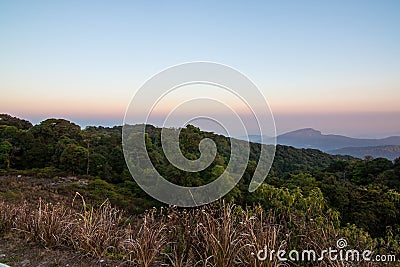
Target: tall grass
{"points": [[220, 234], [145, 240], [96, 231]]}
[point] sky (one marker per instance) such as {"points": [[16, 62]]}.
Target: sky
{"points": [[330, 65]]}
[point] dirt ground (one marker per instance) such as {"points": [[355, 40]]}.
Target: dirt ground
{"points": [[16, 251]]}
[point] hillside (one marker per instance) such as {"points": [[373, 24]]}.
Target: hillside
{"points": [[62, 146], [57, 147]]}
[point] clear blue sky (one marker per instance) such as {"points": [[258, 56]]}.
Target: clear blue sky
{"points": [[331, 65]]}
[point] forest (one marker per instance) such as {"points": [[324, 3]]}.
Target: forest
{"points": [[357, 197]]}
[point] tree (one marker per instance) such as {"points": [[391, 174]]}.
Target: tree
{"points": [[59, 148], [74, 159], [5, 150], [6, 119], [397, 166]]}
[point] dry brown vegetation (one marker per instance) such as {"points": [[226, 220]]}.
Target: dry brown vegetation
{"points": [[220, 234]]}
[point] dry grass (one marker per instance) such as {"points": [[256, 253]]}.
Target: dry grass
{"points": [[46, 224], [215, 235], [96, 231], [145, 241]]}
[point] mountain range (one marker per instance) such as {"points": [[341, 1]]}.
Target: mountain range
{"points": [[388, 147]]}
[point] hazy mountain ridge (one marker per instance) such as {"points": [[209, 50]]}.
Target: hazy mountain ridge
{"points": [[338, 144], [390, 152], [312, 138]]}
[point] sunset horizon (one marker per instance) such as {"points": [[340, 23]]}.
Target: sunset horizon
{"points": [[338, 76]]}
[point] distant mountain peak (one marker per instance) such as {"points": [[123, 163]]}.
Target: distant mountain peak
{"points": [[306, 132]]}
